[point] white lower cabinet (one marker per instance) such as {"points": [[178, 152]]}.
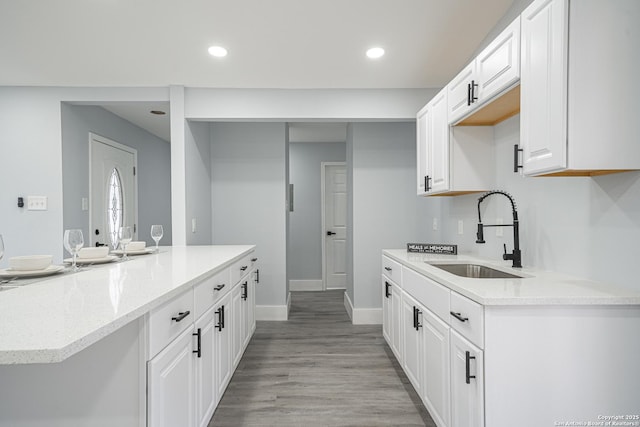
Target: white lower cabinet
{"points": [[435, 385], [391, 309], [467, 383], [171, 384], [223, 346], [412, 341], [238, 319], [205, 368]]}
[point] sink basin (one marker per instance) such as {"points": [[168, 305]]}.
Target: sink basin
{"points": [[476, 271]]}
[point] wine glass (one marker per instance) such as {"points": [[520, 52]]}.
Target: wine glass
{"points": [[73, 241], [126, 235], [156, 234]]}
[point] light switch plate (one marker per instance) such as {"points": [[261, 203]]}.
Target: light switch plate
{"points": [[435, 224], [193, 225], [460, 226], [85, 204], [37, 203]]}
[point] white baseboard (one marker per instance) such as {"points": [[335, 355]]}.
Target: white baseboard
{"points": [[362, 316], [272, 312], [305, 285]]}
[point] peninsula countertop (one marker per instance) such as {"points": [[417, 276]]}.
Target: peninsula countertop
{"points": [[53, 319], [536, 287]]}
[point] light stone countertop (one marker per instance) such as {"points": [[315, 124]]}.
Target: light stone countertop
{"points": [[53, 319], [537, 287]]}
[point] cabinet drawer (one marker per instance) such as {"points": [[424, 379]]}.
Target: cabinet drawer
{"points": [[467, 317], [207, 292], [169, 320], [392, 269], [241, 268], [432, 295]]}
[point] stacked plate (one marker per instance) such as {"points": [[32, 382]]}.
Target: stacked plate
{"points": [[30, 266]]}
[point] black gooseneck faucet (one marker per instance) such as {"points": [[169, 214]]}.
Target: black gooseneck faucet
{"points": [[516, 255]]}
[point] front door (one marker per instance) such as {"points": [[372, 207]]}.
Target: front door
{"points": [[335, 226], [113, 196]]}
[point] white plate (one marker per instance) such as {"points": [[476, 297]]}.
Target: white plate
{"points": [[81, 261], [140, 252], [52, 269]]}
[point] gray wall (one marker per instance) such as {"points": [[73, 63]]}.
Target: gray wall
{"points": [[248, 163], [198, 182], [587, 227], [386, 211], [305, 222], [154, 168]]}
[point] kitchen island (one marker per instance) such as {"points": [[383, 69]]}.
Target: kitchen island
{"points": [[80, 349]]}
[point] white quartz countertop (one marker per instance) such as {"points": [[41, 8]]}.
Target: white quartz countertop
{"points": [[50, 320], [536, 287]]}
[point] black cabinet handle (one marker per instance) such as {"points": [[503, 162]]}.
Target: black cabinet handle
{"points": [[199, 335], [219, 287], [427, 180], [387, 285], [468, 94], [181, 315], [467, 363], [243, 268], [459, 316], [244, 290], [416, 318], [474, 97], [254, 259], [516, 164], [220, 313], [388, 268], [330, 233], [257, 276]]}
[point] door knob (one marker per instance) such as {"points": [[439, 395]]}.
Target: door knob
{"points": [[330, 233]]}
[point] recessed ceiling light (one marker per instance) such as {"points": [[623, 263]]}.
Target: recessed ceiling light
{"points": [[217, 51], [158, 112], [375, 52]]}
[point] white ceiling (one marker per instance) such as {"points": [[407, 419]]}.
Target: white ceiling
{"points": [[271, 44]]}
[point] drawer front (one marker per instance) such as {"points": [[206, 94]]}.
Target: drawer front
{"points": [[241, 268], [169, 320], [467, 317], [392, 269], [432, 295], [207, 292]]}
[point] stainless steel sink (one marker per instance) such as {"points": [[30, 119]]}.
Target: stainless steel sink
{"points": [[475, 271]]}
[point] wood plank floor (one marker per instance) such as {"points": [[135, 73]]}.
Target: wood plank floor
{"points": [[317, 369]]}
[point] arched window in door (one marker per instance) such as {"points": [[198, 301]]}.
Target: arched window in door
{"points": [[114, 205]]}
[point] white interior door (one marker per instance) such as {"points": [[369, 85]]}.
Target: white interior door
{"points": [[113, 197], [335, 226]]}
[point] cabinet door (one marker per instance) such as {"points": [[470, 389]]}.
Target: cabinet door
{"points": [[435, 390], [438, 143], [205, 368], [458, 90], [412, 339], [422, 154], [171, 389], [235, 323], [396, 323], [498, 65], [222, 344], [543, 88], [467, 383], [249, 310], [386, 311]]}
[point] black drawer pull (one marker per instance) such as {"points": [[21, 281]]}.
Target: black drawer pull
{"points": [[199, 335], [387, 285], [459, 317], [254, 259], [257, 276], [219, 287], [243, 268], [467, 363], [220, 313], [181, 315], [516, 163], [388, 268], [245, 292]]}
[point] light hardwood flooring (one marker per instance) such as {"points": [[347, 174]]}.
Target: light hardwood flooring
{"points": [[317, 369]]}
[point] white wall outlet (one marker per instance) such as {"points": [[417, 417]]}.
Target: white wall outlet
{"points": [[499, 230], [435, 224], [85, 204], [37, 203], [460, 226], [193, 225]]}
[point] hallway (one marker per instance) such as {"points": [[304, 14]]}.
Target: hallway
{"points": [[317, 369]]}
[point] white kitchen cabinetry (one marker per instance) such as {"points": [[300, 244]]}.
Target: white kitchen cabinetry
{"points": [[467, 383], [412, 340], [171, 381], [387, 314], [223, 346], [238, 319], [433, 146], [205, 368], [494, 70], [435, 388], [579, 87]]}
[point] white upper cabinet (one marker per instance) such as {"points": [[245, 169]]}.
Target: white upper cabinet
{"points": [[433, 146], [579, 114], [494, 70]]}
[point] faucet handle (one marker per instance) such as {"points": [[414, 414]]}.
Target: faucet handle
{"points": [[506, 256]]}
